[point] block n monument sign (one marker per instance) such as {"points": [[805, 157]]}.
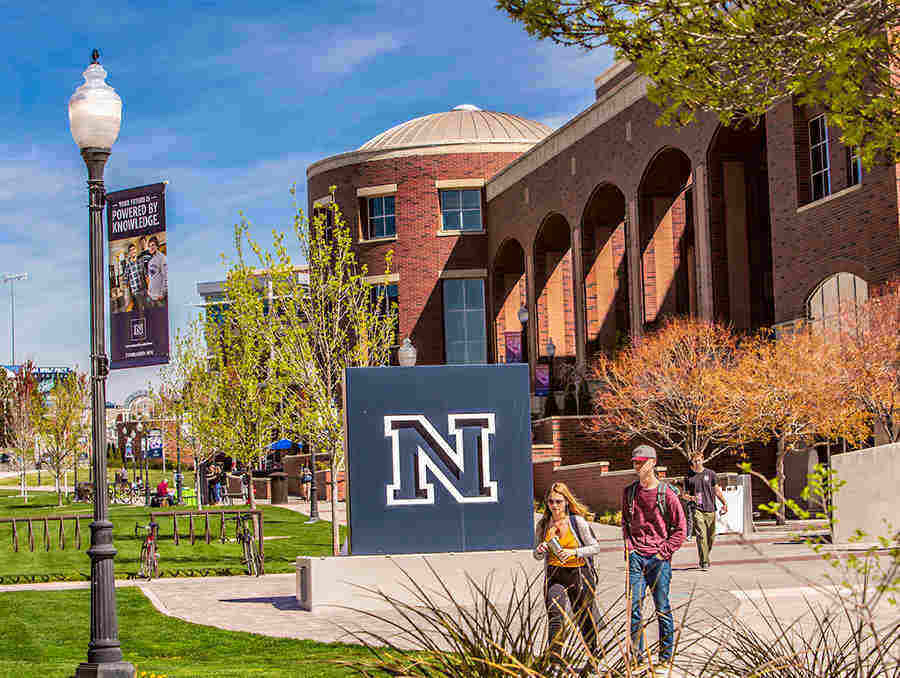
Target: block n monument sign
{"points": [[439, 459]]}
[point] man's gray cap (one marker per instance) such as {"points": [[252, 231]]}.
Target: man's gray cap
{"points": [[643, 452]]}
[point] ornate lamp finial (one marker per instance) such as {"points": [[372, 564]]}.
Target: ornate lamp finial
{"points": [[95, 57]]}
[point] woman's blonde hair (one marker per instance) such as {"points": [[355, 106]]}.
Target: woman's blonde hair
{"points": [[572, 504]]}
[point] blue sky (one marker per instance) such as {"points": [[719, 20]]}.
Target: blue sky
{"points": [[229, 102]]}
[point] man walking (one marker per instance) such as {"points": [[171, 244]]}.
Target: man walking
{"points": [[701, 487], [653, 527], [136, 279], [157, 274]]}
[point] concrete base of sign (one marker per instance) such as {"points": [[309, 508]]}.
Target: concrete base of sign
{"points": [[354, 580]]}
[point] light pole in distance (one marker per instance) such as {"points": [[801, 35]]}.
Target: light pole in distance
{"points": [[95, 116], [11, 279]]}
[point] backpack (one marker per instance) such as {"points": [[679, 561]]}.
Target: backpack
{"points": [[661, 505], [575, 530]]}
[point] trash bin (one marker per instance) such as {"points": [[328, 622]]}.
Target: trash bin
{"points": [[279, 487]]}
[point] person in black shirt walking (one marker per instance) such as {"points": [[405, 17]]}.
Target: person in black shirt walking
{"points": [[701, 487]]}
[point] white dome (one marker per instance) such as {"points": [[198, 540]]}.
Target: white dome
{"points": [[465, 124]]}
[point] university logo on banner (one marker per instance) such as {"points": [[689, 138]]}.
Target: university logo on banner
{"points": [[439, 459], [138, 276]]}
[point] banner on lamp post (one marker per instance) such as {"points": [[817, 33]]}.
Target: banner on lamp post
{"points": [[138, 276]]}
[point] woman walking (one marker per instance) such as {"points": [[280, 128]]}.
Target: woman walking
{"points": [[565, 543]]}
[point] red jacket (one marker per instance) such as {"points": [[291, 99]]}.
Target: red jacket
{"points": [[648, 533]]}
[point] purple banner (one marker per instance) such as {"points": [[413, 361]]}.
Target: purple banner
{"points": [[542, 379], [138, 277], [513, 346]]}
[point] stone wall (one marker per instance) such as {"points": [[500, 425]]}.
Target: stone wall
{"points": [[869, 495]]}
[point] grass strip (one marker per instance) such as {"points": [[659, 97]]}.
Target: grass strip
{"points": [[44, 634]]}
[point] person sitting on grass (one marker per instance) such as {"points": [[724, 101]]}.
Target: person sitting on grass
{"points": [[566, 544]]}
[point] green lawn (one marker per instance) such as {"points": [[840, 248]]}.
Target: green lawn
{"points": [[293, 538], [47, 479], [44, 634]]}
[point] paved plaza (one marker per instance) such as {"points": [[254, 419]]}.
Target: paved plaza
{"points": [[772, 562]]}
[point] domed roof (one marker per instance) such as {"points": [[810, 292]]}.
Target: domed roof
{"points": [[465, 124]]}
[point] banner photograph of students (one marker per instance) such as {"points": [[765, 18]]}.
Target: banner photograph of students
{"points": [[138, 277]]}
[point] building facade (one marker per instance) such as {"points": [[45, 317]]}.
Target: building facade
{"points": [[603, 227]]}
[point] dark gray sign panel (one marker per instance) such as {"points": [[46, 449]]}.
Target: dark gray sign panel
{"points": [[439, 459], [138, 276]]}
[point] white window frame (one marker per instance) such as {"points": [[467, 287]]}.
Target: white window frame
{"points": [[853, 163], [459, 189], [464, 311], [370, 220], [826, 165]]}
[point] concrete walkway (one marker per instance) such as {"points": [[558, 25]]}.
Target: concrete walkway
{"points": [[267, 604]]}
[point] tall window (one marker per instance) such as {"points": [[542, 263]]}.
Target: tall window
{"points": [[820, 170], [464, 326], [381, 217], [461, 210], [854, 167], [386, 300], [836, 297]]}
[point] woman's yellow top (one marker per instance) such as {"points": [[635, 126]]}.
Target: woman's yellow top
{"points": [[567, 541]]}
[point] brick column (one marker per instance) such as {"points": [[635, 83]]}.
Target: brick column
{"points": [[532, 315], [578, 285], [635, 267], [702, 243]]}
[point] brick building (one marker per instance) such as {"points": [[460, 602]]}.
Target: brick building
{"points": [[603, 226]]}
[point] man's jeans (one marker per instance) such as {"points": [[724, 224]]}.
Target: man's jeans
{"points": [[644, 571]]}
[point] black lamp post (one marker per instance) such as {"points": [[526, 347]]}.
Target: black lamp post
{"points": [[551, 351], [313, 489], [178, 479], [95, 115], [523, 318]]}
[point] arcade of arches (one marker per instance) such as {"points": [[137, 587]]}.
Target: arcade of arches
{"points": [[703, 251]]}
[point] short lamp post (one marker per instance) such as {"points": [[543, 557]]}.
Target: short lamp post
{"points": [[406, 354], [95, 116], [551, 351], [523, 319]]}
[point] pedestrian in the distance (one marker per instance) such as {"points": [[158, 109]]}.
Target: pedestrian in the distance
{"points": [[653, 527], [701, 485]]}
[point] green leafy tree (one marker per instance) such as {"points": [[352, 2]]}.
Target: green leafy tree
{"points": [[332, 318], [243, 394], [62, 422], [738, 59], [21, 408]]}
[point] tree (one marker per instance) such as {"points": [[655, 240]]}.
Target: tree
{"points": [[334, 320], [788, 390], [244, 390], [660, 390], [62, 423], [21, 405], [870, 358], [738, 59]]}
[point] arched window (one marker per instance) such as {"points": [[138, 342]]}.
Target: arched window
{"points": [[835, 296]]}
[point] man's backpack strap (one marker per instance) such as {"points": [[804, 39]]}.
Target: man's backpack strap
{"points": [[630, 493]]}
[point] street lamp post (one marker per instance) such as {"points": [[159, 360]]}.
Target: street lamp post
{"points": [[95, 116], [551, 351], [11, 279], [523, 319], [178, 480]]}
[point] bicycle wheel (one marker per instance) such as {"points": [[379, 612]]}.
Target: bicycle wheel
{"points": [[154, 561], [145, 552], [250, 556]]}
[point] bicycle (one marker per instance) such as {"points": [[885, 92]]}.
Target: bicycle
{"points": [[149, 563], [244, 534]]}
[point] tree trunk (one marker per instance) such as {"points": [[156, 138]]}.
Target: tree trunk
{"points": [[251, 496], [780, 518]]}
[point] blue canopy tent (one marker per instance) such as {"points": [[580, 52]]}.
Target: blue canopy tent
{"points": [[283, 444]]}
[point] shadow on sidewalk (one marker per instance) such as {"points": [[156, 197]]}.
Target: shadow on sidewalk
{"points": [[278, 602]]}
